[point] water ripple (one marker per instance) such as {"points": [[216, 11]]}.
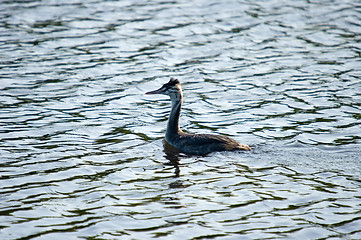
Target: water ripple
{"points": [[81, 146]]}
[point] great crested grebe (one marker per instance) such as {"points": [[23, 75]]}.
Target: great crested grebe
{"points": [[199, 144]]}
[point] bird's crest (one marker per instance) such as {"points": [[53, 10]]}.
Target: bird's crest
{"points": [[173, 82]]}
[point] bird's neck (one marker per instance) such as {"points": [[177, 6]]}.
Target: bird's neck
{"points": [[173, 129]]}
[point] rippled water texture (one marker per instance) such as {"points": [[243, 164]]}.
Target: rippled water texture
{"points": [[81, 146]]}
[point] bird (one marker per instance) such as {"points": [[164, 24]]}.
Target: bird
{"points": [[191, 143]]}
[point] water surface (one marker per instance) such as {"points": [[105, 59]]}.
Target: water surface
{"points": [[81, 147]]}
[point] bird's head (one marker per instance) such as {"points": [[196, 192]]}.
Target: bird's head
{"points": [[171, 88]]}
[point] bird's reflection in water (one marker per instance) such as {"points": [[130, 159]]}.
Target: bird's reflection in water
{"points": [[172, 154]]}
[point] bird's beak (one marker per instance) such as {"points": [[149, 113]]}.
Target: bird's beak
{"points": [[159, 91]]}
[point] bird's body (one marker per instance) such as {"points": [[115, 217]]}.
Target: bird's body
{"points": [[199, 144], [202, 144]]}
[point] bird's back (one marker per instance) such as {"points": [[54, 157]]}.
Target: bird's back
{"points": [[202, 144]]}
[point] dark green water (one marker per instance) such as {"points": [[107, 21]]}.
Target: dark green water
{"points": [[81, 150]]}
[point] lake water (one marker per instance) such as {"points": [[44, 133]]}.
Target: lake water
{"points": [[81, 147]]}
